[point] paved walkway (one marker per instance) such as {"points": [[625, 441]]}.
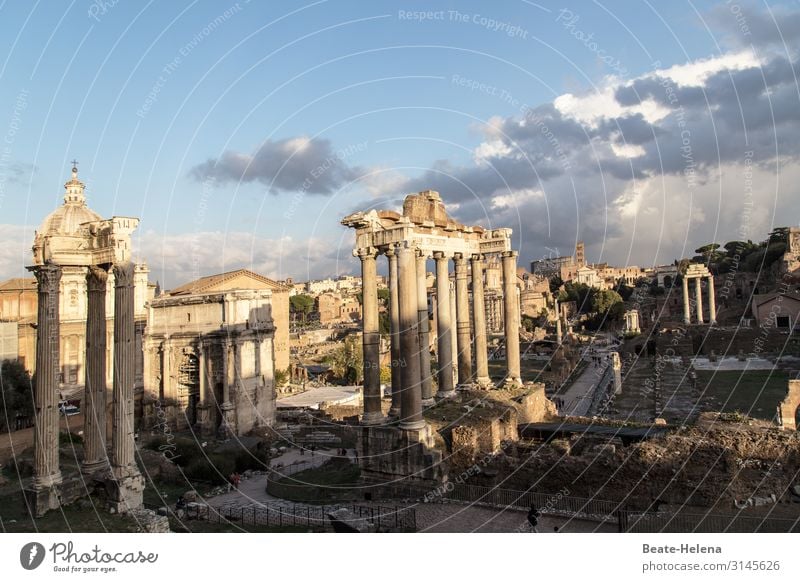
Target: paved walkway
{"points": [[431, 517], [253, 491], [457, 518], [578, 397]]}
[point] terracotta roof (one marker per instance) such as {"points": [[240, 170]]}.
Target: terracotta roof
{"points": [[764, 297], [205, 284], [19, 284]]}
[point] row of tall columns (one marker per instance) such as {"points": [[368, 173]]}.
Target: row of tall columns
{"points": [[712, 303], [458, 325], [46, 466]]}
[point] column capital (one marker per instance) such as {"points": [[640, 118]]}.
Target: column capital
{"points": [[96, 278], [123, 274], [389, 251], [405, 245], [477, 257], [459, 258], [440, 255], [48, 277], [365, 253], [512, 253]]}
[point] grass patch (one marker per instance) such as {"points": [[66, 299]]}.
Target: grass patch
{"points": [[14, 518], [334, 481], [754, 393]]}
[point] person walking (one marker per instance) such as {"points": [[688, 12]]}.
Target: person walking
{"points": [[533, 518]]}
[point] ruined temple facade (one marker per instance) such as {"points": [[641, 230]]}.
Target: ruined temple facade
{"points": [[61, 233], [77, 247], [401, 443], [210, 354]]}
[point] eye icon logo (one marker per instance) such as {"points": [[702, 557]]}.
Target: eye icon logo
{"points": [[31, 555]]}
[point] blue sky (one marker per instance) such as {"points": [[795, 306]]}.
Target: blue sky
{"points": [[206, 119]]}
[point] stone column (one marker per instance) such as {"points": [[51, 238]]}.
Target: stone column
{"points": [[462, 322], [204, 405], [511, 310], [201, 368], [687, 314], [122, 442], [444, 333], [94, 406], [371, 339], [479, 323], [229, 374], [698, 291], [424, 332], [559, 333], [454, 331], [394, 319], [46, 472], [712, 301], [411, 392]]}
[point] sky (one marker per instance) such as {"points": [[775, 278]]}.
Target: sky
{"points": [[241, 133]]}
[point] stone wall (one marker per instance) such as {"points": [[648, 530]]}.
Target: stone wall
{"points": [[788, 407], [388, 454], [534, 406]]}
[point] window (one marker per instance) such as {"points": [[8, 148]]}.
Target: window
{"points": [[782, 321]]}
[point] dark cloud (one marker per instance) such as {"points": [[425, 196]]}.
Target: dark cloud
{"points": [[556, 179], [748, 23], [292, 164]]}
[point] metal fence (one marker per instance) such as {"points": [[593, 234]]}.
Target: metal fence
{"points": [[560, 504], [316, 517], [703, 523], [551, 503]]}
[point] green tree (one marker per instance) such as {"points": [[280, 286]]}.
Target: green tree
{"points": [[301, 304], [779, 234], [555, 284], [604, 299], [347, 362], [16, 386], [709, 252], [580, 293]]}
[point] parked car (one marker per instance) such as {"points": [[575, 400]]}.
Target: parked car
{"points": [[67, 409]]}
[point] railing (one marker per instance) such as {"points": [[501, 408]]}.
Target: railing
{"points": [[316, 517], [703, 523], [559, 504], [551, 503]]}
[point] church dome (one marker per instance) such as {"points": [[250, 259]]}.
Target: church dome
{"points": [[67, 219]]}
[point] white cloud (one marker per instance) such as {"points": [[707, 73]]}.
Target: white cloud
{"points": [[175, 259], [695, 73], [15, 252]]}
